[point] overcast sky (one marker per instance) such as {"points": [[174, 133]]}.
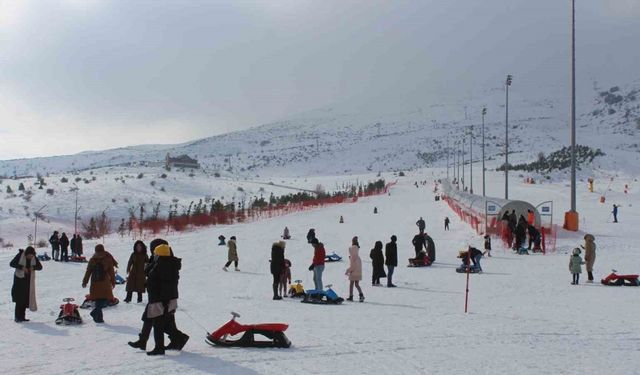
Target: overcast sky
{"points": [[89, 75]]}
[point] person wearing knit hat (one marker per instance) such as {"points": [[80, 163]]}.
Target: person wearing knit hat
{"points": [[23, 291], [162, 286], [575, 266]]}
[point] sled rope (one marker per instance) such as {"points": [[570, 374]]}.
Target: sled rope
{"points": [[194, 320]]}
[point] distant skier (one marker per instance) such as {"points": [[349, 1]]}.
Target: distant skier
{"points": [[487, 245], [575, 266], [421, 224], [391, 255], [286, 235], [446, 223], [615, 213], [377, 261], [232, 255], [311, 235], [54, 240], [355, 269]]}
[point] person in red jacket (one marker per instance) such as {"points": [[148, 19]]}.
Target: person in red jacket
{"points": [[317, 265]]}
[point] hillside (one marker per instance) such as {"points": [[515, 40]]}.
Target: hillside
{"points": [[347, 139]]}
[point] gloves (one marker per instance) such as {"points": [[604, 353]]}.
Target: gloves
{"points": [[311, 267]]}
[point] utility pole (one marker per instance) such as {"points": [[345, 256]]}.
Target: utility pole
{"points": [[447, 157], [484, 112], [462, 152], [506, 139], [471, 161], [571, 218]]}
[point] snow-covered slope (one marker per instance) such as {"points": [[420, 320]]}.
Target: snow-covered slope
{"points": [[354, 139], [524, 317]]}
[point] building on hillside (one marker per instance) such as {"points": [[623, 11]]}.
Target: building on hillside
{"points": [[182, 161]]}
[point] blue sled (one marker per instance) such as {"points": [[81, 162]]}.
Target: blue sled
{"points": [[322, 297]]}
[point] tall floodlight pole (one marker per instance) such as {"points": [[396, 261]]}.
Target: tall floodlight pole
{"points": [[484, 112], [462, 152], [458, 152], [571, 219], [506, 139], [447, 158], [471, 161]]}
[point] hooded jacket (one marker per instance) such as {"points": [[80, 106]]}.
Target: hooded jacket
{"points": [[355, 264]]}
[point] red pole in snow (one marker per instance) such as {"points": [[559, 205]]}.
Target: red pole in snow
{"points": [[466, 295]]}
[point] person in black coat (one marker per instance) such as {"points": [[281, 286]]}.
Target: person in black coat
{"points": [[534, 238], [64, 248], [377, 261], [391, 255], [72, 245], [163, 273], [277, 266], [419, 243], [22, 292], [79, 245], [54, 240]]}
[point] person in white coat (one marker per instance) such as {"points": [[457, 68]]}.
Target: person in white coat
{"points": [[355, 269]]}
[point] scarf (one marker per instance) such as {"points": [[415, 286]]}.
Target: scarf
{"points": [[33, 306]]}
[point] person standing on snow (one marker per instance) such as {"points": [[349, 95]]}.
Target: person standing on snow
{"points": [[446, 223], [391, 259], [23, 291], [575, 266], [136, 278], [286, 235], [377, 261], [589, 254], [100, 271], [54, 240], [355, 269], [615, 213], [72, 245], [317, 264], [431, 248], [64, 248], [232, 255], [421, 224], [487, 245], [311, 235], [277, 266], [531, 217]]}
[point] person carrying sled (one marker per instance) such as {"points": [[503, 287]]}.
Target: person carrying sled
{"points": [[23, 291], [311, 235], [136, 278], [317, 264], [354, 272], [589, 254], [615, 213], [431, 248], [54, 240], [178, 338], [575, 266], [419, 242], [377, 262], [232, 255], [64, 248], [487, 245], [286, 235], [391, 259], [100, 271], [277, 266], [421, 224], [446, 223]]}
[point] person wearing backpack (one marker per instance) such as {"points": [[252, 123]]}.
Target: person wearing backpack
{"points": [[100, 272]]}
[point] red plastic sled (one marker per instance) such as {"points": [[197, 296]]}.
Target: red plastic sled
{"points": [[272, 331], [616, 280]]}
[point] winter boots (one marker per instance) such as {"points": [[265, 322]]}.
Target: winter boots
{"points": [[350, 299], [178, 344], [276, 296], [140, 344]]}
